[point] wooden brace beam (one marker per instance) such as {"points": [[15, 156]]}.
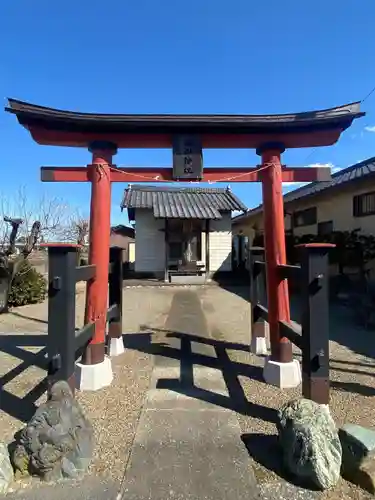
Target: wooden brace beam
{"points": [[164, 174]]}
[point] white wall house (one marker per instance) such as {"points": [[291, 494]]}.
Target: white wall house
{"points": [[181, 230]]}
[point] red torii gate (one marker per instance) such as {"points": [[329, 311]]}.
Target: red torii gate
{"points": [[103, 134]]}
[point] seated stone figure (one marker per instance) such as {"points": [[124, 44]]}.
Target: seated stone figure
{"points": [[58, 440]]}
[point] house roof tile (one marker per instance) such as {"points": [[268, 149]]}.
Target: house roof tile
{"points": [[181, 202], [353, 173]]}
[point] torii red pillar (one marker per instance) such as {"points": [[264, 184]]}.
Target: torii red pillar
{"points": [[100, 228], [274, 236], [101, 173]]}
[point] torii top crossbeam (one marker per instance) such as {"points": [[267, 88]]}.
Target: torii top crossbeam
{"points": [[55, 127]]}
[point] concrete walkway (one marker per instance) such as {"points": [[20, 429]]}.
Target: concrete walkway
{"points": [[186, 447]]}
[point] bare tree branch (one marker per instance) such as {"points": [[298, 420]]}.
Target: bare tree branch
{"points": [[52, 213], [24, 221], [76, 229]]}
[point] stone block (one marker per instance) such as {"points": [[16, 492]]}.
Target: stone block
{"points": [[358, 456], [190, 455]]}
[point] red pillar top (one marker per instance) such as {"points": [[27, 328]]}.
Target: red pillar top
{"points": [[102, 151]]}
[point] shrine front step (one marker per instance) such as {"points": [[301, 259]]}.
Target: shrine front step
{"points": [[186, 279]]}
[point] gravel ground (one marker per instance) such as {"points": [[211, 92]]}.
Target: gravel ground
{"points": [[352, 382], [114, 411]]}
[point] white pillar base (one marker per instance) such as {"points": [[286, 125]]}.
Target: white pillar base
{"points": [[94, 377], [260, 343], [259, 346], [282, 375], [116, 347]]}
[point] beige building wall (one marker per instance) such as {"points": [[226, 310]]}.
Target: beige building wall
{"points": [[132, 252], [220, 244], [336, 206]]}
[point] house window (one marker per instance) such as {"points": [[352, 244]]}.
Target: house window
{"points": [[325, 227], [364, 204], [305, 217]]}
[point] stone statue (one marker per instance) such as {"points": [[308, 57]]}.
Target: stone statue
{"points": [[58, 440]]}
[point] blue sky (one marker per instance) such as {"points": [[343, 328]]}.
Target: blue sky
{"points": [[175, 56]]}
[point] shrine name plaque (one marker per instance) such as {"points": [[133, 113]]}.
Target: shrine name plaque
{"points": [[187, 157]]}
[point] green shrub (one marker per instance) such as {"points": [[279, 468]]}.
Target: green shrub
{"points": [[28, 286]]}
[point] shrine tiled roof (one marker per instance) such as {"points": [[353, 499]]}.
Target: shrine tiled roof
{"points": [[181, 202]]}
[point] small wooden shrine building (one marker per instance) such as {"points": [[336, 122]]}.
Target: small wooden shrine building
{"points": [[182, 231]]}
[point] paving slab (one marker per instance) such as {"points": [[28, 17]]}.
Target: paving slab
{"points": [[174, 389], [188, 442], [180, 454]]}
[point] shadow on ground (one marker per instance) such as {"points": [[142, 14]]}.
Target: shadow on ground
{"points": [[237, 283], [30, 318], [185, 385], [14, 345], [265, 451], [346, 332], [343, 329], [353, 387], [186, 325]]}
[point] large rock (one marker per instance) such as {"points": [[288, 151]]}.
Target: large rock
{"points": [[58, 441], [358, 455], [6, 469], [310, 443]]}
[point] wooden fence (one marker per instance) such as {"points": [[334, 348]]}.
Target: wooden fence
{"points": [[312, 335], [66, 343]]}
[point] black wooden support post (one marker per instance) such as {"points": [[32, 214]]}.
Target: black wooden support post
{"points": [[61, 344], [115, 293], [315, 321], [207, 249], [259, 326], [166, 251]]}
